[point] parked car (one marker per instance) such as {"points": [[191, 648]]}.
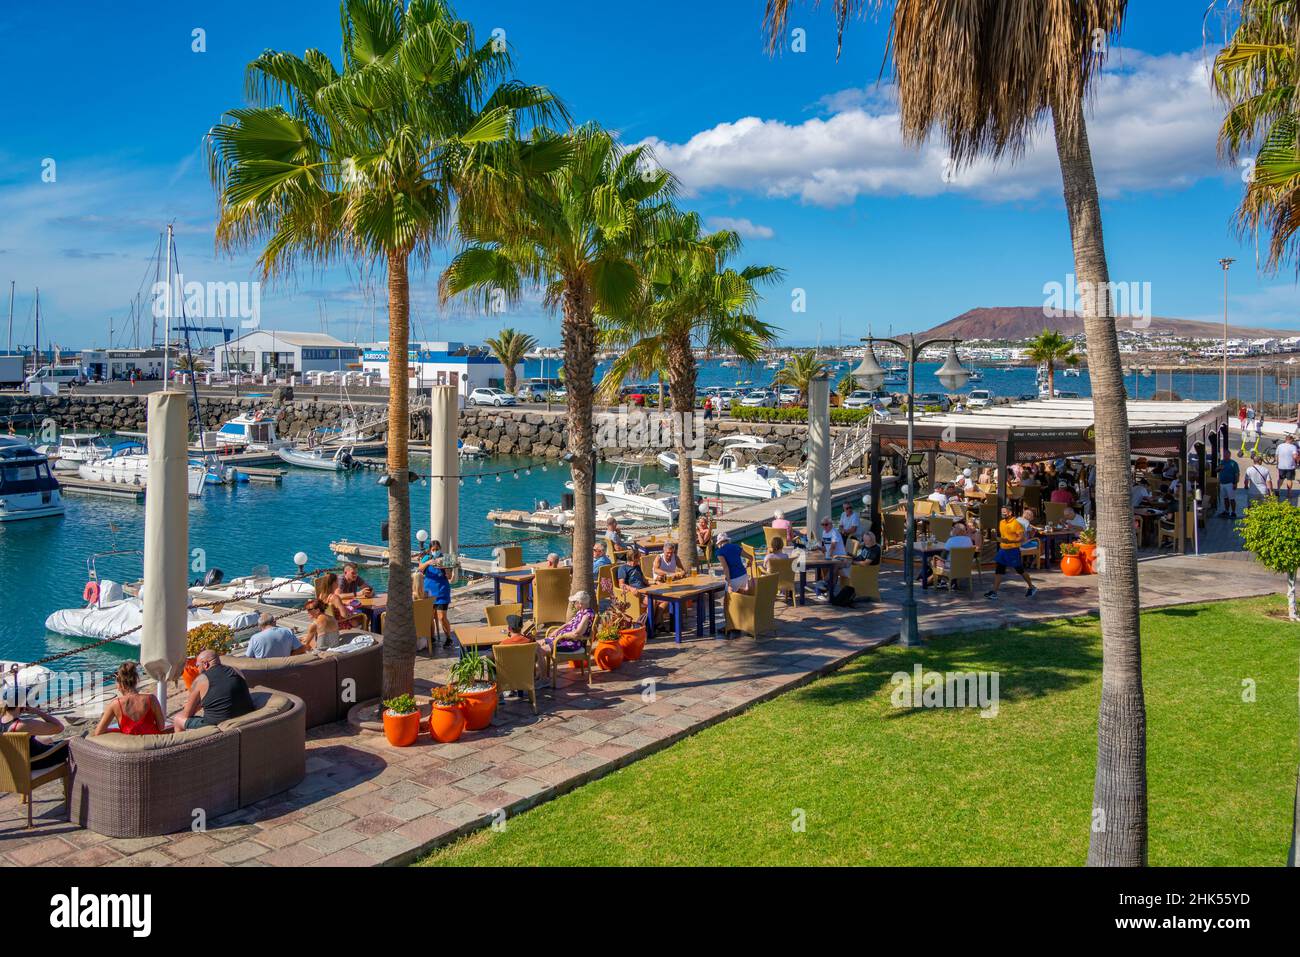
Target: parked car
{"points": [[861, 399], [761, 399], [1028, 397], [979, 399], [926, 400], [491, 396], [531, 393]]}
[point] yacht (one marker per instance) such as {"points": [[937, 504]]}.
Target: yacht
{"points": [[625, 491], [738, 473], [28, 489], [250, 432], [73, 448], [128, 464]]}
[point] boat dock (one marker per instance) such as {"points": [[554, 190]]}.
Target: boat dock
{"points": [[80, 486]]}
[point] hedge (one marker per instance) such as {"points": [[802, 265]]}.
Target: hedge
{"points": [[793, 414]]}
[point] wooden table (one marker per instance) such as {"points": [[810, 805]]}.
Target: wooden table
{"points": [[817, 562], [924, 551], [374, 607], [480, 636], [651, 544], [1149, 518], [675, 594], [522, 576], [1052, 539]]}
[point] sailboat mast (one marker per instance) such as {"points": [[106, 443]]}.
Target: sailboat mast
{"points": [[167, 332], [9, 346], [36, 357]]}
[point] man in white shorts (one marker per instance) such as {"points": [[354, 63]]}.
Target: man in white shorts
{"points": [[1286, 459], [1259, 481]]}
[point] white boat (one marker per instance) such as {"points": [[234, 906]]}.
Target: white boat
{"points": [[128, 464], [260, 585], [553, 519], [466, 451], [73, 448], [325, 460], [20, 683], [114, 614], [729, 364], [28, 489], [1071, 371], [252, 432], [738, 473], [625, 491]]}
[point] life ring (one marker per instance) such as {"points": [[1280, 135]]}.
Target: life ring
{"points": [[259, 415], [91, 592]]}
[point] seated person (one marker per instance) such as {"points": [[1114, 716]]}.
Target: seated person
{"points": [[323, 632], [44, 754], [667, 565], [703, 533], [599, 558], [570, 635], [733, 564], [515, 631], [1074, 520], [777, 551], [965, 483], [351, 585], [850, 524], [614, 537], [553, 560], [272, 641], [986, 477], [781, 523], [346, 611], [133, 712], [1063, 493], [629, 574], [960, 537], [869, 550], [1141, 493], [832, 542], [219, 691], [939, 497]]}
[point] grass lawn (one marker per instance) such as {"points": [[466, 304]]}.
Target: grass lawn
{"points": [[878, 784]]}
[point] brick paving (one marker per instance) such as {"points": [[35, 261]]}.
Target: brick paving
{"points": [[365, 803]]}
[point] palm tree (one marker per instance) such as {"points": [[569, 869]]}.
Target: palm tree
{"points": [[367, 162], [984, 74], [510, 348], [846, 386], [190, 363], [1048, 348], [1256, 76], [572, 232], [691, 298], [799, 371]]}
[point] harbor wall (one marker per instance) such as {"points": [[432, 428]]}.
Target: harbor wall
{"points": [[518, 431]]}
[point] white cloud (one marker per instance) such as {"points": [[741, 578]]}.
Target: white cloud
{"points": [[747, 229], [1152, 125]]}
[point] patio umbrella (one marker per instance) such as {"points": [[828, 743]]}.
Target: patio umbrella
{"points": [[819, 450], [444, 493], [166, 539]]}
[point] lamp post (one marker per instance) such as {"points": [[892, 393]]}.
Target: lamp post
{"points": [[869, 375], [1225, 263]]}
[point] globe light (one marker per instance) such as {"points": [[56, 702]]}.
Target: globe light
{"points": [[953, 375], [300, 559], [869, 374], [421, 536]]}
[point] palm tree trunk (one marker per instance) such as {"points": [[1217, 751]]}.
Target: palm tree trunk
{"points": [[512, 380], [1119, 830], [681, 383], [1051, 379], [399, 618], [578, 333]]}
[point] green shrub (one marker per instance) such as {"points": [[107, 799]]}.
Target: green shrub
{"points": [[794, 414]]}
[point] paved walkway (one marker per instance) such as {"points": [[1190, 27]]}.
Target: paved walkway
{"points": [[365, 803]]}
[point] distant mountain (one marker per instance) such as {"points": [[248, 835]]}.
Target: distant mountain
{"points": [[1025, 322]]}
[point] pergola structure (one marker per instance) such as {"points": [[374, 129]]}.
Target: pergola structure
{"points": [[1058, 428]]}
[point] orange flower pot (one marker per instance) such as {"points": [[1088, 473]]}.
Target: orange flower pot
{"points": [[1089, 555], [607, 655], [401, 730], [478, 706], [632, 641], [446, 723], [191, 671], [1071, 565]]}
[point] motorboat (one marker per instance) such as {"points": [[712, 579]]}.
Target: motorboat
{"points": [[1071, 372], [321, 459], [467, 451], [556, 520], [738, 473], [250, 432], [128, 464], [73, 448], [259, 585], [625, 491], [24, 684], [111, 613], [28, 488]]}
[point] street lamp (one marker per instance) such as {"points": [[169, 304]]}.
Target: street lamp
{"points": [[300, 559], [869, 374], [1225, 263]]}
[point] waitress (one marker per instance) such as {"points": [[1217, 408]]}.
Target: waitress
{"points": [[437, 587]]}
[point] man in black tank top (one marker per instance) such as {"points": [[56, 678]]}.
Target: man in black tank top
{"points": [[219, 691]]}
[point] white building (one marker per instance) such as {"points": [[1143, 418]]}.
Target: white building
{"points": [[284, 353], [443, 363], [117, 364]]}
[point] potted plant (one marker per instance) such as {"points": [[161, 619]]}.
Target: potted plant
{"points": [[631, 631], [209, 636], [1088, 548], [447, 718], [1071, 563], [606, 651], [401, 721], [472, 676]]}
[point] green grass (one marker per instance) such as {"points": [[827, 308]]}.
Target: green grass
{"points": [[882, 785]]}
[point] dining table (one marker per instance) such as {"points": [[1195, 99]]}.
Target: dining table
{"points": [[653, 544], [699, 589], [521, 576], [1053, 536], [480, 636], [374, 608], [816, 561]]}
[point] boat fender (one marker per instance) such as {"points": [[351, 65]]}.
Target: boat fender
{"points": [[91, 592]]}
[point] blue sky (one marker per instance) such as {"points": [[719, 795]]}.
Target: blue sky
{"points": [[800, 152]]}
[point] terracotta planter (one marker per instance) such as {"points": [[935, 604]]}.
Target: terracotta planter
{"points": [[479, 706], [446, 723], [401, 730], [607, 655], [1071, 565], [1089, 555], [632, 641], [191, 671]]}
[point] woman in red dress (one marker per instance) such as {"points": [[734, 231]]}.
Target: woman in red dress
{"points": [[134, 713]]}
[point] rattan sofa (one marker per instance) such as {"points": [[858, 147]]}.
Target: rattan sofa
{"points": [[328, 682], [146, 785]]}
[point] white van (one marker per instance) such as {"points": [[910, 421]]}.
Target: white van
{"points": [[63, 375], [979, 399]]}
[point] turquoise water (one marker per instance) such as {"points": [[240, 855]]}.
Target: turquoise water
{"points": [[43, 562]]}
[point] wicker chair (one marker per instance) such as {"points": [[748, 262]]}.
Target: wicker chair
{"points": [[1054, 512], [962, 567], [497, 614], [941, 527], [517, 669], [865, 580], [783, 569], [770, 533], [551, 596], [555, 657], [17, 776], [1032, 496], [605, 580], [753, 614], [648, 567], [895, 530], [329, 683]]}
